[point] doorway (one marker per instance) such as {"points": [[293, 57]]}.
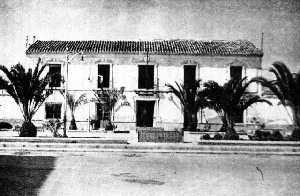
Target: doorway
{"points": [[144, 113]]}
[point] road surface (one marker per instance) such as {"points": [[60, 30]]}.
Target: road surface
{"points": [[117, 173]]}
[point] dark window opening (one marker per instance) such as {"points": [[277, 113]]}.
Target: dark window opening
{"points": [[103, 70], [189, 75], [55, 75], [236, 72], [146, 77], [53, 110], [144, 114]]}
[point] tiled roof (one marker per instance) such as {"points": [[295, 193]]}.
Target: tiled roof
{"points": [[166, 47]]}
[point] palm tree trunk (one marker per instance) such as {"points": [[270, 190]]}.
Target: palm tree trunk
{"points": [[230, 131], [28, 129], [194, 120], [296, 116], [296, 123], [73, 125], [190, 119]]}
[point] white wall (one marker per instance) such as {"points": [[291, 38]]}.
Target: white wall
{"points": [[125, 74]]}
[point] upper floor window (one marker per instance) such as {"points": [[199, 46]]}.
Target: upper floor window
{"points": [[236, 72], [55, 74], [189, 75], [53, 110], [146, 77], [103, 76]]}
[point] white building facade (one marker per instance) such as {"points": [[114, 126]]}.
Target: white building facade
{"points": [[143, 68]]}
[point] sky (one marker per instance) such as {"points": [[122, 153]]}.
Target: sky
{"points": [[279, 20]]}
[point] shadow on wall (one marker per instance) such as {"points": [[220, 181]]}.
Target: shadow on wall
{"points": [[24, 175]]}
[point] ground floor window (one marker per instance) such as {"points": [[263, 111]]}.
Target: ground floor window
{"points": [[53, 110]]}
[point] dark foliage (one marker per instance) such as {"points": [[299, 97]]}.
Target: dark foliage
{"points": [[218, 136], [28, 129], [110, 126], [107, 99], [28, 89], [229, 100], [73, 125], [192, 100], [5, 125], [267, 136], [296, 134], [276, 136], [53, 126], [206, 137], [286, 87], [231, 135]]}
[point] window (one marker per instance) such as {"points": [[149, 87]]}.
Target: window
{"points": [[189, 75], [53, 110], [55, 75], [236, 72], [146, 77], [103, 70]]}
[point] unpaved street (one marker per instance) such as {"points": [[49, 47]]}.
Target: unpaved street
{"points": [[117, 173]]}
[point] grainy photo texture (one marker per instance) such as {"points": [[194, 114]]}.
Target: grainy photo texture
{"points": [[149, 97]]}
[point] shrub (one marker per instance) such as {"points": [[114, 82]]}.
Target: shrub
{"points": [[206, 137], [231, 136], [110, 126], [5, 125], [54, 126], [296, 134], [261, 135], [218, 136], [276, 136]]}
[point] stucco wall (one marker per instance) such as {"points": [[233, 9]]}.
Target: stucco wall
{"points": [[124, 73]]}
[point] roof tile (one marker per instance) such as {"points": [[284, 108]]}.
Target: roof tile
{"points": [[165, 47]]}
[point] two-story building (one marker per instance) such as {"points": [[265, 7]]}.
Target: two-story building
{"points": [[143, 68]]}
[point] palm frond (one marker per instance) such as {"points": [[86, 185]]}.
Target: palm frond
{"points": [[26, 87], [252, 99]]}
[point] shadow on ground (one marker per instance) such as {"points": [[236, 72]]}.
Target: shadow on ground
{"points": [[24, 175]]}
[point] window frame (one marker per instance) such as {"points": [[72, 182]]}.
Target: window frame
{"points": [[53, 112], [51, 65], [195, 66], [153, 77], [241, 67], [109, 74]]}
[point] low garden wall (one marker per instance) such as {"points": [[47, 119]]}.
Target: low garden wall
{"points": [[153, 134]]}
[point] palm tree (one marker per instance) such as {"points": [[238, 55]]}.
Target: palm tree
{"points": [[230, 100], [286, 87], [192, 100], [73, 104], [28, 89], [107, 99]]}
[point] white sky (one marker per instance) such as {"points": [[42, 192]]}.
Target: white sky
{"points": [[153, 19]]}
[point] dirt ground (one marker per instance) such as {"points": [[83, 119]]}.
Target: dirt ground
{"points": [[118, 173]]}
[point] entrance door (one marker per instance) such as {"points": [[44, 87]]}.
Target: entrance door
{"points": [[144, 113]]}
